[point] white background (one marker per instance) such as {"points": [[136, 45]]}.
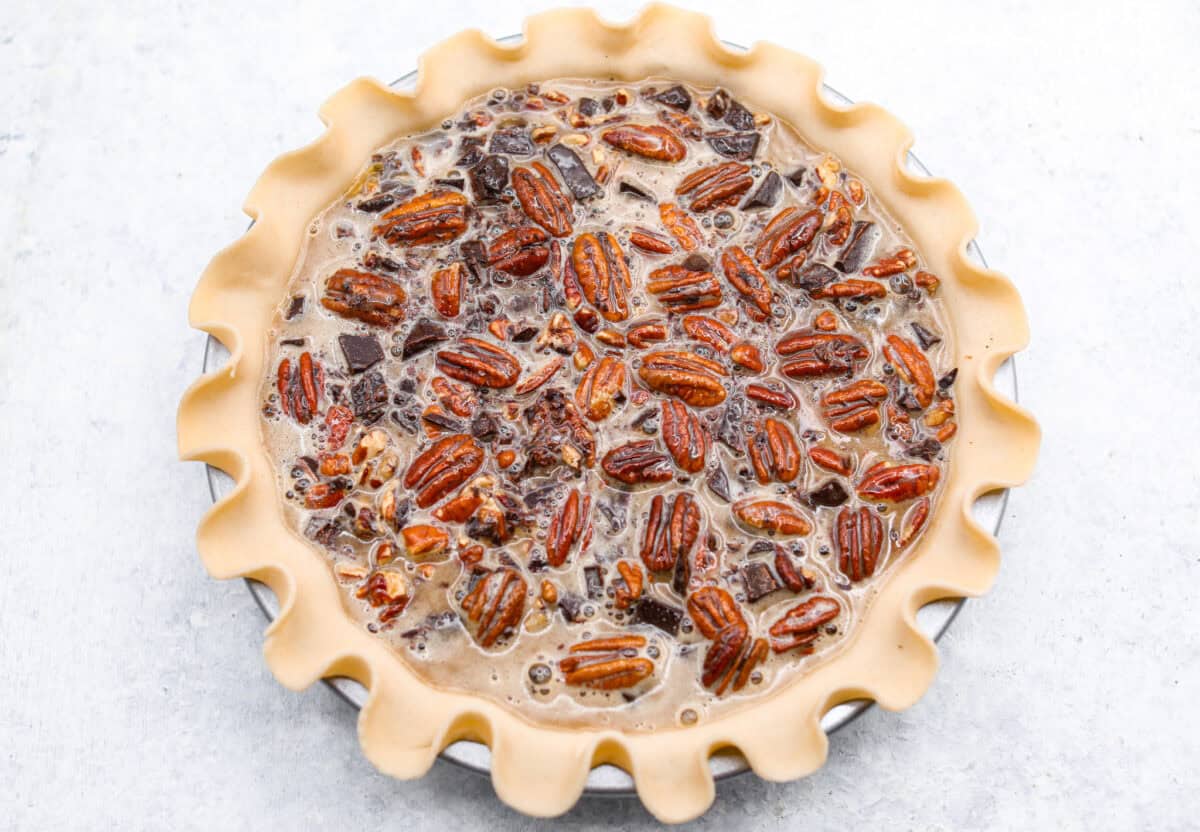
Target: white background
{"points": [[134, 694]]}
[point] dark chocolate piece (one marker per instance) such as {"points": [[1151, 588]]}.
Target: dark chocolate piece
{"points": [[423, 335], [293, 342], [455, 182], [767, 193], [295, 308], [815, 276], [369, 396], [718, 105], [375, 204], [796, 177], [947, 381], [657, 614], [593, 582], [924, 337], [740, 146], [864, 236], [442, 421], [579, 180], [489, 178], [589, 107], [718, 483], [758, 580], [926, 449], [362, 352], [571, 606], [830, 493], [470, 150], [484, 426], [514, 141], [676, 97], [627, 188], [738, 117]]}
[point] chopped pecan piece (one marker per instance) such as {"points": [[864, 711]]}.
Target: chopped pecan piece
{"points": [[519, 251], [682, 227], [541, 375], [445, 289], [423, 542], [914, 521], [801, 626], [774, 452], [685, 436], [542, 199], [830, 461], [604, 663], [900, 262], [797, 580], [709, 331], [747, 357], [771, 516], [913, 367], [568, 527], [899, 482], [716, 185], [855, 406], [602, 274], [650, 242], [443, 467], [628, 588], [600, 388], [558, 433], [670, 535], [813, 354], [364, 297], [746, 277], [479, 363], [495, 605], [859, 539], [681, 290], [684, 375], [787, 233], [650, 141], [636, 463], [434, 217]]}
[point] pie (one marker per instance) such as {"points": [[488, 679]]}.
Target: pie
{"points": [[609, 408]]}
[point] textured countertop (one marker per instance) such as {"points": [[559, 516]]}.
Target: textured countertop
{"points": [[134, 692]]}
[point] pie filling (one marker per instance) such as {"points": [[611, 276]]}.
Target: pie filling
{"points": [[611, 403]]}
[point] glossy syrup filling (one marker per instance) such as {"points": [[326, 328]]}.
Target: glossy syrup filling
{"points": [[611, 403]]}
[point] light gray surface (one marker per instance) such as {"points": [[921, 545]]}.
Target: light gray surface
{"points": [[135, 696]]}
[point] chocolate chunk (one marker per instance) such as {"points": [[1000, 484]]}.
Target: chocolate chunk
{"points": [[322, 532], [484, 426], [682, 576], [718, 105], [718, 483], [947, 381], [738, 117], [589, 107], [767, 193], [864, 236], [423, 335], [362, 352], [375, 204], [540, 495], [627, 188], [830, 493], [924, 337], [593, 582], [696, 262], [758, 580], [407, 420], [574, 172], [657, 614], [470, 150], [455, 182], [442, 421], [292, 342], [522, 333], [909, 402], [514, 141], [571, 606], [374, 261], [796, 177], [729, 430], [489, 527], [295, 308], [489, 178], [369, 396], [740, 146], [676, 97], [815, 276], [926, 449], [614, 514]]}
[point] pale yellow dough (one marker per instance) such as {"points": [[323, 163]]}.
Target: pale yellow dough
{"points": [[540, 770]]}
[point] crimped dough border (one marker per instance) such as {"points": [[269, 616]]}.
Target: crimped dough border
{"points": [[536, 769]]}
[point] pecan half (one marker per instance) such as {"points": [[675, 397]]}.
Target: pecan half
{"points": [[685, 436], [709, 331], [733, 654], [899, 482], [629, 587], [716, 185], [650, 242], [635, 463], [364, 297], [643, 335], [600, 388], [682, 227], [788, 232], [300, 388], [858, 539], [746, 277], [670, 535], [479, 363], [797, 580], [604, 663], [774, 452], [443, 467], [850, 290], [771, 516], [602, 274], [542, 199], [495, 605], [780, 399], [684, 375], [567, 527], [541, 375], [519, 251], [434, 217], [682, 290], [812, 354], [912, 366], [855, 406], [445, 289], [830, 461], [650, 141], [801, 625]]}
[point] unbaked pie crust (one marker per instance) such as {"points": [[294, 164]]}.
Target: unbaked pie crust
{"points": [[542, 770]]}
